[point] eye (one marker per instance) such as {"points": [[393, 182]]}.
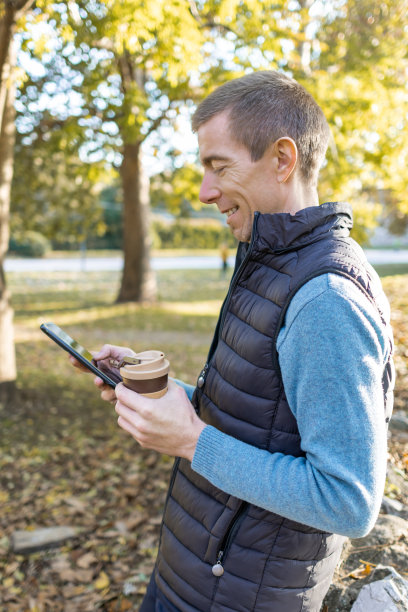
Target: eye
{"points": [[219, 170]]}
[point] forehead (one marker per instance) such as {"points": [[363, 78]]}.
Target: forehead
{"points": [[215, 141]]}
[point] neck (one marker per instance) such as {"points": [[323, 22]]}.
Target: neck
{"points": [[300, 195]]}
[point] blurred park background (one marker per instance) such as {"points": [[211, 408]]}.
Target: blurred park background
{"points": [[99, 170]]}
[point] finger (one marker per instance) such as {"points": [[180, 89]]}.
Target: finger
{"points": [[127, 413], [130, 420], [128, 396], [108, 394], [105, 352], [171, 384], [99, 382], [129, 428], [77, 364]]}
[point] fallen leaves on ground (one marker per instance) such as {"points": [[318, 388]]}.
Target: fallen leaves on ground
{"points": [[65, 462], [362, 571], [109, 488]]}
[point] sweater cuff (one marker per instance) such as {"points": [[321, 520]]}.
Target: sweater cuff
{"points": [[210, 447]]}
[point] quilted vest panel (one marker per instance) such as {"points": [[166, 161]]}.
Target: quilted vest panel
{"points": [[270, 563]]}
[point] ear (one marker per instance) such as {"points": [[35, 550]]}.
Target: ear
{"points": [[286, 156]]}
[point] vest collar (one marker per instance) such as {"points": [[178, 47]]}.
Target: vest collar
{"points": [[283, 231]]}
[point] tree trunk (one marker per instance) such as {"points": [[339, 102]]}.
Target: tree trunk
{"points": [[304, 46], [138, 279], [7, 134]]}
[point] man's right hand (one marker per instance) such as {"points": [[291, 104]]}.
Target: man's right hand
{"points": [[103, 357]]}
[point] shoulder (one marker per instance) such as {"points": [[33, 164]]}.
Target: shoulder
{"points": [[330, 288], [332, 299]]}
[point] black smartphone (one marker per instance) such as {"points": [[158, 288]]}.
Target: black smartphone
{"points": [[79, 352]]}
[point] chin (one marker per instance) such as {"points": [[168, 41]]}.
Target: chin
{"points": [[237, 234], [242, 237], [242, 234]]}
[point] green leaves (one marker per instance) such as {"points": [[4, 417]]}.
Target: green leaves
{"points": [[54, 191], [135, 64]]}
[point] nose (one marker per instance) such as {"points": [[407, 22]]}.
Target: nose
{"points": [[209, 192]]}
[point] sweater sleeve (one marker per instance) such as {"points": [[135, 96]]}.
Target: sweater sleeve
{"points": [[332, 350]]}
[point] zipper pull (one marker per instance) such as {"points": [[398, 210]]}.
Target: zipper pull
{"points": [[217, 569], [201, 378]]}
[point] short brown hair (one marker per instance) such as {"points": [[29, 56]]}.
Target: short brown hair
{"points": [[265, 106]]}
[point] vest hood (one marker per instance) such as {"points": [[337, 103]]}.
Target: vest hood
{"points": [[279, 232]]}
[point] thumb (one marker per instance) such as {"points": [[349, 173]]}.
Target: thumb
{"points": [[103, 353]]}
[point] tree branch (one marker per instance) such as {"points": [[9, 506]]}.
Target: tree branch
{"points": [[156, 123], [195, 12], [19, 5], [209, 23], [104, 43], [221, 27]]}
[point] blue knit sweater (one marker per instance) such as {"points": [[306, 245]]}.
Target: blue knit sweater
{"points": [[332, 350]]}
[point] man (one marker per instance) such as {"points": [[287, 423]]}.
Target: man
{"points": [[282, 448]]}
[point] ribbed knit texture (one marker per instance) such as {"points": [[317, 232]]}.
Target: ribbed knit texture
{"points": [[338, 486]]}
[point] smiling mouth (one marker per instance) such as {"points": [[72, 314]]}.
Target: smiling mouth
{"points": [[231, 211]]}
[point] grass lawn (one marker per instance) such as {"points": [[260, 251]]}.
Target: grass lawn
{"points": [[64, 461]]}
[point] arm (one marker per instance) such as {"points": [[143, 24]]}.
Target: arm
{"points": [[331, 353]]}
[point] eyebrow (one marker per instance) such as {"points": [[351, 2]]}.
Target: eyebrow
{"points": [[206, 161]]}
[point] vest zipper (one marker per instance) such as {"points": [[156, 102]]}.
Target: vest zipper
{"points": [[235, 278], [203, 374], [218, 568], [201, 378]]}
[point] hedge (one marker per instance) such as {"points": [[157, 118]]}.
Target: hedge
{"points": [[29, 244], [182, 233], [194, 234]]}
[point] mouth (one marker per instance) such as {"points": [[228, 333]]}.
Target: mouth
{"points": [[231, 211]]}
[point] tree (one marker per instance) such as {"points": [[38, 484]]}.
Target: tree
{"points": [[54, 191], [177, 187], [131, 64], [134, 65], [10, 13], [359, 71], [351, 55]]}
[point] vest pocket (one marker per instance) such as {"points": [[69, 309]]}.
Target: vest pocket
{"points": [[217, 568]]}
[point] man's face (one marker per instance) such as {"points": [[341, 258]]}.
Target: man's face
{"points": [[232, 181]]}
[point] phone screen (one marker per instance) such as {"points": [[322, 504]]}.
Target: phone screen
{"points": [[78, 351]]}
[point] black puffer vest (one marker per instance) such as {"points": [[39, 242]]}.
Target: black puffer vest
{"points": [[271, 564]]}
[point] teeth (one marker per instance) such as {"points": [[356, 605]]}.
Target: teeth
{"points": [[231, 211]]}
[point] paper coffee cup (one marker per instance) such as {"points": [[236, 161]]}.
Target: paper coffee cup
{"points": [[146, 373]]}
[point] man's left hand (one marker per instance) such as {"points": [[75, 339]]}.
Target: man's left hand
{"points": [[168, 425]]}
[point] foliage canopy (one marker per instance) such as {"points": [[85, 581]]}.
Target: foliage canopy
{"points": [[133, 66]]}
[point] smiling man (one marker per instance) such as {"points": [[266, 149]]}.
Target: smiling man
{"points": [[281, 446], [239, 185]]}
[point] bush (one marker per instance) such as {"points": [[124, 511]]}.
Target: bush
{"points": [[192, 233], [29, 244]]}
